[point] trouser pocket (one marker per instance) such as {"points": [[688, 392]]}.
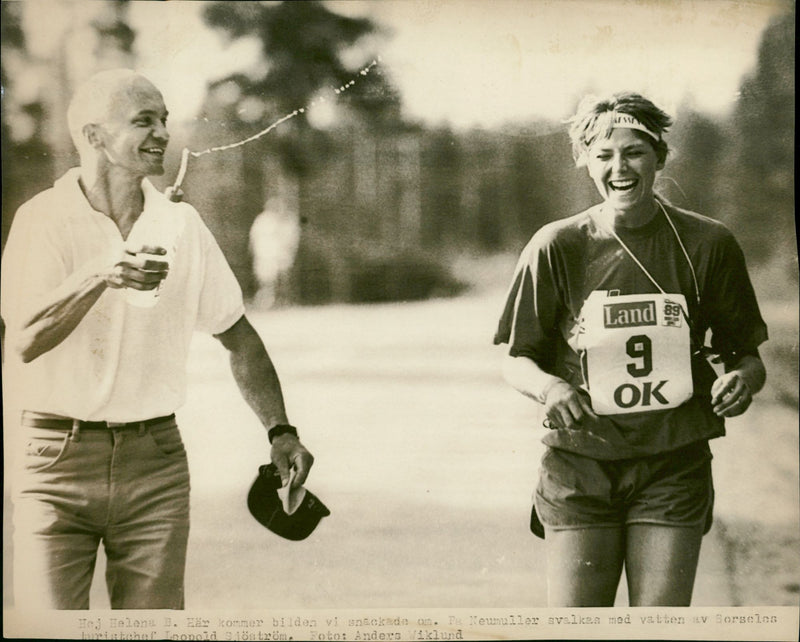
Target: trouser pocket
{"points": [[45, 449]]}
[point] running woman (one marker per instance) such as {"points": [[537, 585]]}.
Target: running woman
{"points": [[605, 323]]}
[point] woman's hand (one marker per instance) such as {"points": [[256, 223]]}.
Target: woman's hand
{"points": [[732, 393], [565, 406]]}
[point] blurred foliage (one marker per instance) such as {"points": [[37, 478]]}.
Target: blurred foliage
{"points": [[379, 187], [26, 161], [302, 45], [758, 174], [383, 204]]}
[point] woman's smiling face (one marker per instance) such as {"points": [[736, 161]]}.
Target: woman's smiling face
{"points": [[623, 168]]}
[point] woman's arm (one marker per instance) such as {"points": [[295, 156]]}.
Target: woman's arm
{"points": [[732, 393], [564, 405]]}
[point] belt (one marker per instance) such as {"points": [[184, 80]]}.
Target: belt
{"points": [[33, 420]]}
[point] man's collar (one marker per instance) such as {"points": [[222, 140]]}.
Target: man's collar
{"points": [[70, 183]]}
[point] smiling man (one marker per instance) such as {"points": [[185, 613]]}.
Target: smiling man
{"points": [[104, 281]]}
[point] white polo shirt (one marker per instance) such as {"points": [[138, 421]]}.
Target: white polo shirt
{"points": [[122, 362]]}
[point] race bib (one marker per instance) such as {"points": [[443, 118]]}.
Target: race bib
{"points": [[636, 352]]}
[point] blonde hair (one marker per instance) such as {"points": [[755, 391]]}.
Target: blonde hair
{"points": [[594, 119]]}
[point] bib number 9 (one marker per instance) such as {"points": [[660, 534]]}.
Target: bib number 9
{"points": [[636, 352], [640, 347]]}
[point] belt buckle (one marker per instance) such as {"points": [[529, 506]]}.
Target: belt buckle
{"points": [[116, 424]]}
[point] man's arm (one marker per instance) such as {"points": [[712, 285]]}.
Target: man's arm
{"points": [[59, 312], [258, 381]]}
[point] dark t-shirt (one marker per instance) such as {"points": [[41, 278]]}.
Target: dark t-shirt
{"points": [[567, 260]]}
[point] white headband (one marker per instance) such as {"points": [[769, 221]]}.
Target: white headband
{"points": [[630, 122]]}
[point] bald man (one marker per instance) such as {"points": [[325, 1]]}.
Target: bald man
{"points": [[104, 282]]}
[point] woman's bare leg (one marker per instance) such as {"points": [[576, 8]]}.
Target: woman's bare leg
{"points": [[660, 564], [584, 566]]}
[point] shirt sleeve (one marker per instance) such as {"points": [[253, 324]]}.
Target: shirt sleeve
{"points": [[32, 264], [221, 302], [529, 321], [734, 316]]}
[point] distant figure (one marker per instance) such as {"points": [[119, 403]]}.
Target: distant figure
{"points": [[274, 239], [104, 281], [605, 322]]}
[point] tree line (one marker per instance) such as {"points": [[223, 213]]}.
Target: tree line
{"points": [[381, 204]]}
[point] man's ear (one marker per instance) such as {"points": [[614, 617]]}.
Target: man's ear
{"points": [[92, 135]]}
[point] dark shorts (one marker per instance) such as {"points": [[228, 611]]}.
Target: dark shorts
{"points": [[672, 489]]}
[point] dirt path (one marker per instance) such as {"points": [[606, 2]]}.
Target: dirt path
{"points": [[427, 460]]}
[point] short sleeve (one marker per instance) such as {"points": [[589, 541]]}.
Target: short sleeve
{"points": [[529, 320], [221, 303], [32, 264], [734, 316]]}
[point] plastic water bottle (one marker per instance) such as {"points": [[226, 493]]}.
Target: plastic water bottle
{"points": [[154, 229]]}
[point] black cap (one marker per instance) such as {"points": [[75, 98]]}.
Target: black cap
{"points": [[267, 508]]}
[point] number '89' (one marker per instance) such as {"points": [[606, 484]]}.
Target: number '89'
{"points": [[672, 309]]}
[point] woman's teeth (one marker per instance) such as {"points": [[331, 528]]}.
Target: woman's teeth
{"points": [[622, 185]]}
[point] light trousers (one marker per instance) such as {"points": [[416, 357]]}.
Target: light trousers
{"points": [[127, 488]]}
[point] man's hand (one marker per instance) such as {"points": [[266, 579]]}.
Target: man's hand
{"points": [[287, 452], [142, 269], [565, 407], [57, 313]]}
